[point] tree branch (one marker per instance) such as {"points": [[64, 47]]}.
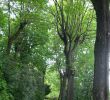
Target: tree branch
{"points": [[14, 37]]}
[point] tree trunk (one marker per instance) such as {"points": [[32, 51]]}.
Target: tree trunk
{"points": [[62, 94], [67, 80], [101, 50], [70, 76], [67, 86], [70, 85]]}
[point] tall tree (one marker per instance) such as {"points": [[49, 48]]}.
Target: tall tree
{"points": [[69, 22], [100, 85], [25, 64]]}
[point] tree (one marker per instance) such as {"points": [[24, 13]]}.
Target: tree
{"points": [[24, 64], [69, 28], [100, 88], [84, 58], [36, 64]]}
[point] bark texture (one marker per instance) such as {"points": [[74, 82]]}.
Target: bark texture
{"points": [[67, 79], [100, 86]]}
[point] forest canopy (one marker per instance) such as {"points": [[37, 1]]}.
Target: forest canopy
{"points": [[54, 49]]}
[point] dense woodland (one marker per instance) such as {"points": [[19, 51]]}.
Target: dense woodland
{"points": [[54, 49]]}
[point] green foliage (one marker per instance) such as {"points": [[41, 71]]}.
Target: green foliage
{"points": [[52, 78], [3, 19], [4, 93], [24, 68], [31, 70], [84, 71], [80, 20]]}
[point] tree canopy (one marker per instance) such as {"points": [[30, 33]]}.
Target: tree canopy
{"points": [[54, 49]]}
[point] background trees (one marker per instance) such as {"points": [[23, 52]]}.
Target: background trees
{"points": [[47, 49], [24, 58]]}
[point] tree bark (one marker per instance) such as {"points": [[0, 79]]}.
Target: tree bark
{"points": [[70, 76], [67, 79], [62, 94], [100, 91], [70, 86], [67, 86]]}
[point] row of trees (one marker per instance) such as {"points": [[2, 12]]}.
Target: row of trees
{"points": [[47, 49]]}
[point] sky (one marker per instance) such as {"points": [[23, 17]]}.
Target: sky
{"points": [[50, 2]]}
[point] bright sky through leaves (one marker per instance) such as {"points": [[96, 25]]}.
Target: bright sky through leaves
{"points": [[50, 2]]}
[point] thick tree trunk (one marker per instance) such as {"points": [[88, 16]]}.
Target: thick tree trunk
{"points": [[108, 70], [62, 94], [70, 76], [67, 86], [101, 50], [67, 80], [70, 85]]}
